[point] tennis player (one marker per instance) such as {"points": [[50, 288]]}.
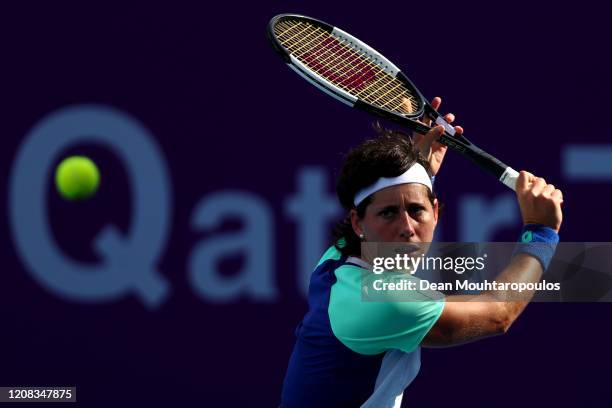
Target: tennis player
{"points": [[352, 353]]}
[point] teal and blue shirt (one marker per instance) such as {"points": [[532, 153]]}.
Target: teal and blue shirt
{"points": [[350, 352]]}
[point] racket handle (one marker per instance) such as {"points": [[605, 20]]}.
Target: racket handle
{"points": [[509, 177], [501, 171], [504, 173]]}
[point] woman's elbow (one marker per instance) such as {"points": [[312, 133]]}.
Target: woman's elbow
{"points": [[501, 319]]}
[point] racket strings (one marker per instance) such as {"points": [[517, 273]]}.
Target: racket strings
{"points": [[323, 54], [325, 51], [338, 62], [384, 86]]}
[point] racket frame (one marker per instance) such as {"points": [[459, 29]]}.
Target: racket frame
{"points": [[459, 143]]}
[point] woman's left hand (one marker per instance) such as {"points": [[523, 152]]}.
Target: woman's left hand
{"points": [[431, 149]]}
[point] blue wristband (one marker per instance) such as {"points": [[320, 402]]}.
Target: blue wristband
{"points": [[538, 241]]}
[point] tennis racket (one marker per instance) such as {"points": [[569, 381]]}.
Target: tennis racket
{"points": [[354, 73]]}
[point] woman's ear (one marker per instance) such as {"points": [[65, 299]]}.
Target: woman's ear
{"points": [[356, 223], [436, 207]]}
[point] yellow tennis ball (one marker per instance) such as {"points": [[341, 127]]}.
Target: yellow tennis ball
{"points": [[77, 177]]}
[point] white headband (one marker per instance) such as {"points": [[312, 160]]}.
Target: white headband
{"points": [[415, 174]]}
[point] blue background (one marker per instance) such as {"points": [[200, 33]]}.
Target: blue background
{"points": [[527, 82]]}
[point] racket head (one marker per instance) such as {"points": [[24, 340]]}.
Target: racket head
{"points": [[346, 68], [358, 75]]}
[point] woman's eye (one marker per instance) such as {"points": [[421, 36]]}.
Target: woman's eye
{"points": [[387, 213], [417, 211]]}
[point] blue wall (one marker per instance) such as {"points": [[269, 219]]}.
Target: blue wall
{"points": [[181, 281]]}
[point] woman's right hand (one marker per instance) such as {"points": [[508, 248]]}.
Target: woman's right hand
{"points": [[540, 203]]}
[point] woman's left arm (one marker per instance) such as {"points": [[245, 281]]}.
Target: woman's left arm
{"points": [[431, 149]]}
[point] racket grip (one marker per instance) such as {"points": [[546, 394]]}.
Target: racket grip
{"points": [[509, 177]]}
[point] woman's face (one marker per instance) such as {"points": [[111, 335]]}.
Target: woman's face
{"points": [[401, 213]]}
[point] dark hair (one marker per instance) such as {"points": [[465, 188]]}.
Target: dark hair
{"points": [[388, 155]]}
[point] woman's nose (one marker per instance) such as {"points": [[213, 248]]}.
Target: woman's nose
{"points": [[407, 225]]}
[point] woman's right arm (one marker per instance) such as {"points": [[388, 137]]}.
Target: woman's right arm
{"points": [[467, 318]]}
